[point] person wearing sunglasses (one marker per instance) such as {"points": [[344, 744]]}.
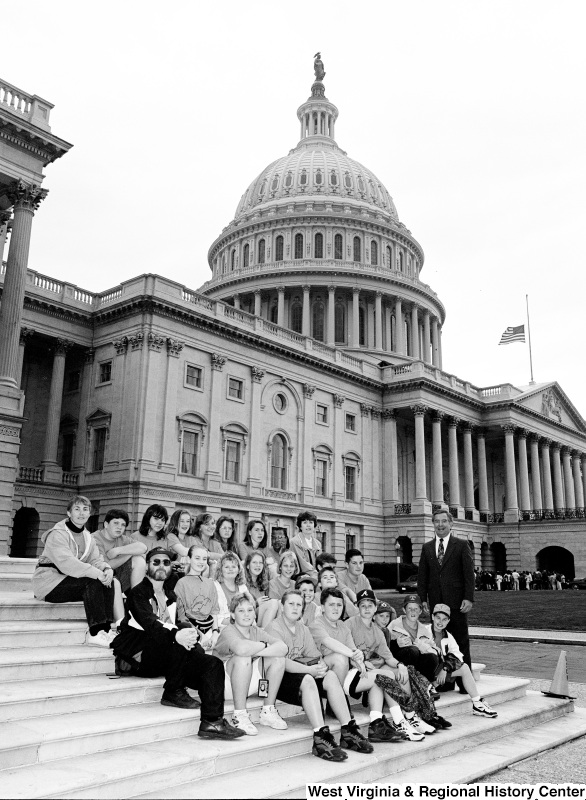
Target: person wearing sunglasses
{"points": [[152, 644]]}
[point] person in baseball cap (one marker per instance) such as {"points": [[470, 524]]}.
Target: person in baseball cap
{"points": [[365, 594], [158, 551], [412, 598], [383, 616], [442, 608]]}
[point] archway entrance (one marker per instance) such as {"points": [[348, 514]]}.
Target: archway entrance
{"points": [[556, 559], [499, 552], [486, 557], [25, 533], [406, 549]]}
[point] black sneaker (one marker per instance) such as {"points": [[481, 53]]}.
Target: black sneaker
{"points": [[221, 729], [381, 731], [179, 699], [352, 739], [324, 746], [439, 723]]}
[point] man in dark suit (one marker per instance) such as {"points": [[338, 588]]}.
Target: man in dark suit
{"points": [[446, 575]]}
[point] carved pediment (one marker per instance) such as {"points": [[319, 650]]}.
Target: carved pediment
{"points": [[551, 402]]}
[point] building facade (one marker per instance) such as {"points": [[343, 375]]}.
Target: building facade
{"points": [[306, 373]]}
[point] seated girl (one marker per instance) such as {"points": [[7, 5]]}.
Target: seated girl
{"points": [[225, 534], [197, 598], [410, 639], [452, 661], [180, 538], [283, 580], [250, 655], [307, 679], [229, 582], [256, 576], [152, 528], [204, 528], [255, 539], [279, 545]]}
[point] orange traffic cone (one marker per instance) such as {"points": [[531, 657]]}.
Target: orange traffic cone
{"points": [[559, 685]]}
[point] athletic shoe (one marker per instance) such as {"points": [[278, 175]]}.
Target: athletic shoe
{"points": [[324, 746], [101, 639], [179, 699], [420, 725], [439, 723], [408, 732], [270, 717], [481, 709], [244, 723], [220, 729], [352, 739], [381, 730]]}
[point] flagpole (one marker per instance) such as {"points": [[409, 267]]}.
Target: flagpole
{"points": [[529, 339]]}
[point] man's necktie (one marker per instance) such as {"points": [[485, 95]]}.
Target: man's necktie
{"points": [[440, 551]]}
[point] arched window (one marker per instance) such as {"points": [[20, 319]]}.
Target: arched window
{"points": [[357, 249], [318, 178], [232, 260], [361, 326], [279, 248], [340, 323], [374, 253], [338, 247], [246, 255], [347, 180], [279, 462], [390, 257], [298, 245], [400, 262], [296, 317], [261, 251], [319, 245], [317, 323]]}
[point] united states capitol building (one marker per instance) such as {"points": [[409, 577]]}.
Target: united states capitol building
{"points": [[307, 372]]}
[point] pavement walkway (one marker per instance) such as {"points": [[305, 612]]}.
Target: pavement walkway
{"points": [[521, 635]]}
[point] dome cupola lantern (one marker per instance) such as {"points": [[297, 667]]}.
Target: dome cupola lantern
{"points": [[317, 115]]}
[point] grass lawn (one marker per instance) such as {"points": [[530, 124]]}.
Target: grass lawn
{"points": [[550, 611]]}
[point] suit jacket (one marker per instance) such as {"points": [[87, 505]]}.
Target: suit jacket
{"points": [[453, 581]]}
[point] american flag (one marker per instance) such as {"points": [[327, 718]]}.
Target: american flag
{"points": [[513, 335]]}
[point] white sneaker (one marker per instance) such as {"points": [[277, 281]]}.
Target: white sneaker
{"points": [[482, 709], [271, 717], [243, 721], [421, 725], [101, 639], [407, 731]]}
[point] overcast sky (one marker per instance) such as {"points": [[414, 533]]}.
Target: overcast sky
{"points": [[472, 114]]}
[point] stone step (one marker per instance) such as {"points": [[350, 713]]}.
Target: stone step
{"points": [[45, 738], [24, 566], [19, 664], [31, 633], [15, 582], [20, 605], [272, 764], [287, 778]]}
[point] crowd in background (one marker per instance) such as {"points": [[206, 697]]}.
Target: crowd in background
{"points": [[512, 580]]}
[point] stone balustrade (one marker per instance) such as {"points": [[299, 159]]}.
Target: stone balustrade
{"points": [[29, 107]]}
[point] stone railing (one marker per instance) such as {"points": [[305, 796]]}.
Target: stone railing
{"points": [[495, 519], [27, 106], [31, 474], [70, 479], [402, 509]]}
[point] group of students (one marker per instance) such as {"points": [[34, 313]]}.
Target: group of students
{"points": [[182, 598]]}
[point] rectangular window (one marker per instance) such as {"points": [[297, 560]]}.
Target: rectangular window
{"points": [[235, 389], [73, 380], [193, 376], [189, 453], [321, 414], [321, 472], [350, 478], [105, 374], [99, 449], [321, 537], [232, 472], [350, 541], [351, 423]]}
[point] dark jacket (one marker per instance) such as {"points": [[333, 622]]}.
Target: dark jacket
{"points": [[141, 624], [453, 581]]}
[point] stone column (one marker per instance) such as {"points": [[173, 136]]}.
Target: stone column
{"points": [[308, 476], [583, 462], [54, 410], [254, 481], [434, 342], [237, 302], [213, 474], [84, 410], [26, 200], [546, 469], [558, 491], [378, 321], [437, 482], [331, 332], [355, 317], [281, 306], [468, 468], [375, 443], [388, 330], [440, 363], [168, 457], [306, 326], [4, 227], [257, 302], [568, 478], [512, 503], [414, 332], [578, 488], [421, 504], [482, 476], [25, 333], [366, 482], [524, 471], [399, 327], [535, 474], [390, 465], [426, 337], [454, 470]]}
